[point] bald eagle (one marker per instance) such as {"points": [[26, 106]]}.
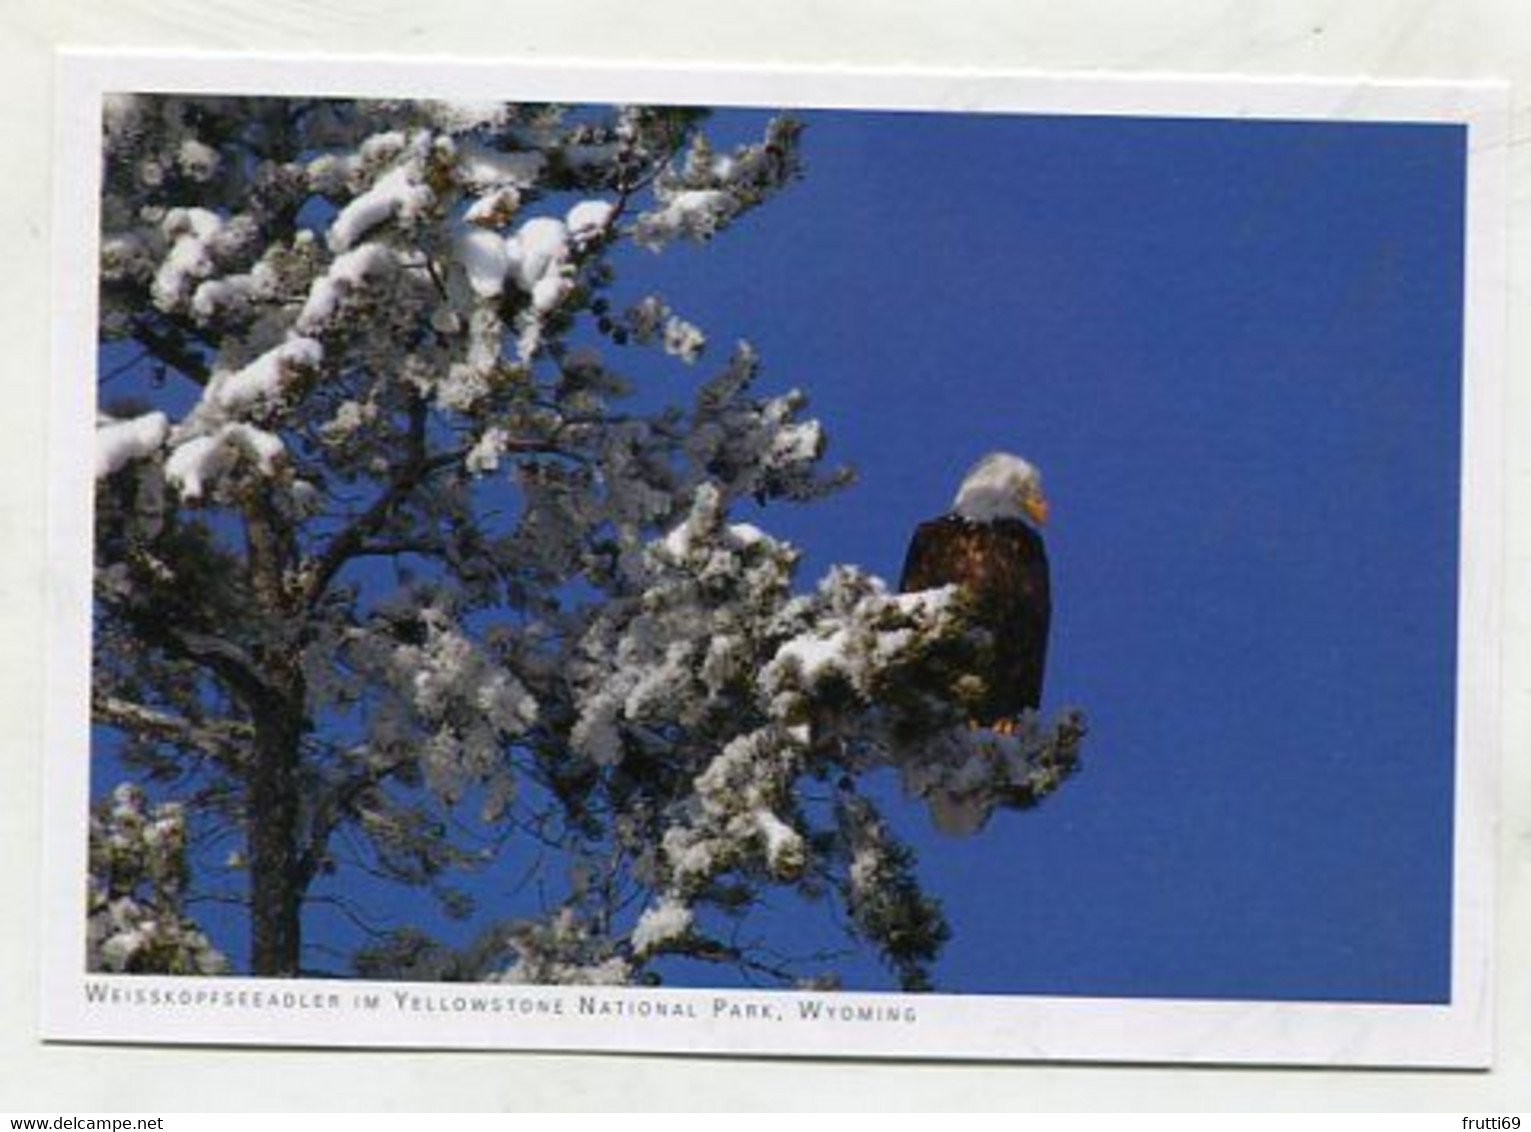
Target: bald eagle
{"points": [[989, 545]]}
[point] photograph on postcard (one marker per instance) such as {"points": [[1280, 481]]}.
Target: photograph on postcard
{"points": [[774, 566]]}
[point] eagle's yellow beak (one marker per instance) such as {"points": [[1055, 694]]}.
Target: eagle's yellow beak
{"points": [[1035, 506]]}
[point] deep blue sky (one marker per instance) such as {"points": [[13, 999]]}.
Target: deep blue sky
{"points": [[1233, 349]]}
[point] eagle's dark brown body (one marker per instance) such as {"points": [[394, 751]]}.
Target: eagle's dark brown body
{"points": [[1002, 565]]}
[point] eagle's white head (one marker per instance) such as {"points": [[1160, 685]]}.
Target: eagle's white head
{"points": [[1002, 486]]}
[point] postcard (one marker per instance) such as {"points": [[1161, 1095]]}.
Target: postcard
{"points": [[757, 562]]}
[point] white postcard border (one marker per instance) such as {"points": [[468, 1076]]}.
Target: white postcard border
{"points": [[77, 1006]]}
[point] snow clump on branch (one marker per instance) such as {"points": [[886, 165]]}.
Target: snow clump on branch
{"points": [[137, 879]]}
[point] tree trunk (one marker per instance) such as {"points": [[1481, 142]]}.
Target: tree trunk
{"points": [[277, 877]]}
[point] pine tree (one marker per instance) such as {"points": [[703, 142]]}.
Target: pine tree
{"points": [[401, 562]]}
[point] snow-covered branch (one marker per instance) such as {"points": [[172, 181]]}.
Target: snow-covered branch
{"points": [[138, 874]]}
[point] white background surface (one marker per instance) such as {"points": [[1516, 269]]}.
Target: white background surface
{"points": [[1382, 38]]}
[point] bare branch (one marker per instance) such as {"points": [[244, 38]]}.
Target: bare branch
{"points": [[226, 739]]}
